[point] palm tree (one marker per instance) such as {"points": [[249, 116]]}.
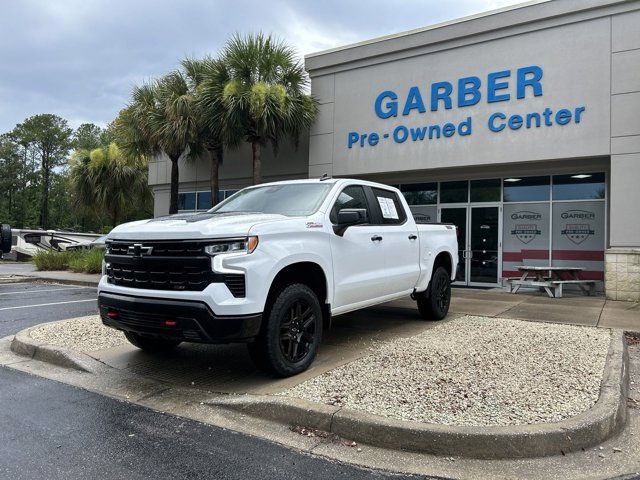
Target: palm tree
{"points": [[264, 98], [207, 79], [106, 180], [161, 118]]}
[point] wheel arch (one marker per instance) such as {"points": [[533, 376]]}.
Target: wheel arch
{"points": [[307, 272]]}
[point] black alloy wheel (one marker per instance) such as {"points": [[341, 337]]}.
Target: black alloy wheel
{"points": [[434, 303], [290, 333], [297, 331]]}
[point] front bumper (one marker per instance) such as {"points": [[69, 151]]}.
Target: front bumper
{"points": [[190, 321]]}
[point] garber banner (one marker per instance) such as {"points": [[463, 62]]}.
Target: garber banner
{"points": [[468, 91]]}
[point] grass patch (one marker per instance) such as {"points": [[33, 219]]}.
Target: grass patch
{"points": [[86, 261], [83, 261]]}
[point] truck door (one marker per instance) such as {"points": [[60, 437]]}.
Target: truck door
{"points": [[400, 242], [358, 258]]}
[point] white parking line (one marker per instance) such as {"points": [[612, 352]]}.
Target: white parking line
{"points": [[44, 290], [47, 304]]}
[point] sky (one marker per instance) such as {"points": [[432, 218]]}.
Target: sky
{"points": [[80, 58]]}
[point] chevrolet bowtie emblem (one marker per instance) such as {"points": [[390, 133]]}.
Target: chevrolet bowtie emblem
{"points": [[138, 250]]}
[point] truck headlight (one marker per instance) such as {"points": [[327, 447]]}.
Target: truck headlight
{"points": [[236, 245]]}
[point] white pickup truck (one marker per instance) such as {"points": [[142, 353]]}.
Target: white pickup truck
{"points": [[270, 266]]}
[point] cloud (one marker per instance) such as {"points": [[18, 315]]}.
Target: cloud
{"points": [[79, 59]]}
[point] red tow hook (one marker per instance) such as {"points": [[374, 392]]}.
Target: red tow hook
{"points": [[112, 314]]}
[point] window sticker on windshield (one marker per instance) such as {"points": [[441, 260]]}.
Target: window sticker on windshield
{"points": [[388, 208]]}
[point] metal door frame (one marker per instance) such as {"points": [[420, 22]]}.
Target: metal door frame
{"points": [[467, 247]]}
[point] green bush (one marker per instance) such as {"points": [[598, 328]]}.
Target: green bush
{"points": [[52, 260], [86, 261], [83, 261]]}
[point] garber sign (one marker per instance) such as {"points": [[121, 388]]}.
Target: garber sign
{"points": [[468, 91]]}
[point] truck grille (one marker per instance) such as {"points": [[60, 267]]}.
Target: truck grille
{"points": [[168, 265]]}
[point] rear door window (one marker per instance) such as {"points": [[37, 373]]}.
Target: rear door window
{"points": [[390, 209]]}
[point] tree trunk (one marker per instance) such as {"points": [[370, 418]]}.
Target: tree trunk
{"points": [[44, 206], [214, 158], [175, 183], [257, 163]]}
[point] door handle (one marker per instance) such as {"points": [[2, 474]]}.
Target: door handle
{"points": [[376, 238], [413, 237]]}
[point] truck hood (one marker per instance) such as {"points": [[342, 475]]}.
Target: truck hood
{"points": [[193, 226]]}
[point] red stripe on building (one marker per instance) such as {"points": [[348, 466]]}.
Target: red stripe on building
{"points": [[525, 254], [586, 255]]}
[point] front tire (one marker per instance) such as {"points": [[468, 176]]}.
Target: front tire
{"points": [[434, 303], [291, 334], [151, 344]]}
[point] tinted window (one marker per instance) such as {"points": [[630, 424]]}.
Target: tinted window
{"points": [[583, 186], [485, 190], [204, 200], [391, 210], [351, 197], [420, 193], [529, 189], [187, 201], [454, 192]]}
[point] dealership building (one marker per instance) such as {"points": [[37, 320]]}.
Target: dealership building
{"points": [[521, 126]]}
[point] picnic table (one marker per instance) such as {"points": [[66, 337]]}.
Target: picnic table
{"points": [[551, 279]]}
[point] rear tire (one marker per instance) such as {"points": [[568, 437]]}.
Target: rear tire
{"points": [[434, 303], [5, 239], [151, 344], [291, 332]]}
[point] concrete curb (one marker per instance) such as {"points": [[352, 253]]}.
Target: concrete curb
{"points": [[62, 281], [605, 419], [22, 344]]}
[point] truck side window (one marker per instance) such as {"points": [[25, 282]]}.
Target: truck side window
{"points": [[351, 197], [391, 210]]}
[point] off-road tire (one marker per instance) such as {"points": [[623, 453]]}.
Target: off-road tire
{"points": [[292, 316], [5, 239], [434, 303], [151, 344]]}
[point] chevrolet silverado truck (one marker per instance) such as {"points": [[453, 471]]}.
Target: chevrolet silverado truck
{"points": [[270, 266]]}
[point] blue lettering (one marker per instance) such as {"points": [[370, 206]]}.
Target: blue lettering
{"points": [[492, 119], [579, 110], [418, 133], [390, 108], [563, 116], [400, 133], [533, 81], [441, 91], [414, 100], [515, 122], [352, 138], [494, 86], [448, 129], [468, 86], [374, 138], [464, 127]]}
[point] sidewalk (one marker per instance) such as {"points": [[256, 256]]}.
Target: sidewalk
{"points": [[27, 272]]}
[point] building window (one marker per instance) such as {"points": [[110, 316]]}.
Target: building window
{"points": [[187, 201], [582, 186], [204, 200], [527, 189], [454, 192], [420, 193], [485, 190]]}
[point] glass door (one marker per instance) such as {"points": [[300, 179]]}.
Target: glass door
{"points": [[484, 256], [458, 217], [479, 247]]}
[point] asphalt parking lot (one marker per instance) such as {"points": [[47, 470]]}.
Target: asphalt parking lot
{"points": [[23, 305]]}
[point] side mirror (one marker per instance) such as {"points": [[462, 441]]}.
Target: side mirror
{"points": [[348, 217], [5, 238]]}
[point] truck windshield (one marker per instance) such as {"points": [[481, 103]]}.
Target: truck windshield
{"points": [[292, 199]]}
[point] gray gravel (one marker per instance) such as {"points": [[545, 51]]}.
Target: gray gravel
{"points": [[473, 371], [82, 334]]}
